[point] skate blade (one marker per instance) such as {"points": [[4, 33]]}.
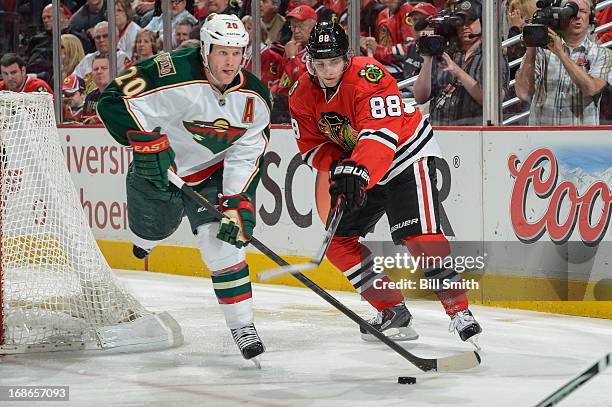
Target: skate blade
{"points": [[474, 341], [395, 334], [256, 361]]}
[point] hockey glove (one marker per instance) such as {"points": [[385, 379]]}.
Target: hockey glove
{"points": [[153, 156], [237, 227], [349, 180]]}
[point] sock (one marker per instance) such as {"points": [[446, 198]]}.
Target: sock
{"points": [[233, 290], [356, 262]]}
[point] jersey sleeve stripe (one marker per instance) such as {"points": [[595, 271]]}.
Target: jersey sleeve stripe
{"points": [[400, 163], [308, 156], [382, 136]]}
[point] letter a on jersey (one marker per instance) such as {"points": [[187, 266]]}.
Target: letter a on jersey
{"points": [[247, 116]]}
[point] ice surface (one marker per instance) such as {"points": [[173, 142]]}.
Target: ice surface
{"points": [[315, 357]]}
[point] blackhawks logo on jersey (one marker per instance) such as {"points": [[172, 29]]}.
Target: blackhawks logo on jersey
{"points": [[216, 136], [372, 73], [338, 128]]}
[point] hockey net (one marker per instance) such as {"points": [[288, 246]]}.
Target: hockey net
{"points": [[56, 289]]}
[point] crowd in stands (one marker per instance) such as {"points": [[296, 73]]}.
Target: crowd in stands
{"points": [[566, 83]]}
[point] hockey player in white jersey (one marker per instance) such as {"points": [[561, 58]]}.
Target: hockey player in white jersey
{"points": [[198, 113]]}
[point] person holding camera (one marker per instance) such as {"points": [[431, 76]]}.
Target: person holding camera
{"points": [[452, 79], [564, 79]]}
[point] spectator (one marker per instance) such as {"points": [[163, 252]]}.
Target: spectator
{"points": [[124, 20], [222, 7], [403, 54], [141, 7], [145, 45], [82, 23], [413, 61], [101, 78], [73, 89], [564, 81], [272, 21], [337, 6], [454, 82], [302, 19], [72, 53], [519, 14], [179, 13], [181, 32], [323, 13], [85, 68], [189, 43], [15, 78], [271, 55], [370, 10], [199, 9], [39, 52]]}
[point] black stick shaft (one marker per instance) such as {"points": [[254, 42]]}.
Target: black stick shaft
{"points": [[576, 382], [423, 364]]}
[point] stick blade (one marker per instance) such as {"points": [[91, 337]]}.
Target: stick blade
{"points": [[459, 362], [290, 269]]}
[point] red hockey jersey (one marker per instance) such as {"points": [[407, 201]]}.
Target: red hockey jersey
{"points": [[32, 85], [365, 120]]}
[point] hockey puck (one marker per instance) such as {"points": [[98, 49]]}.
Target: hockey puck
{"points": [[406, 380]]}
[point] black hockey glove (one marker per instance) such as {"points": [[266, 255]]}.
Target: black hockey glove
{"points": [[349, 180]]}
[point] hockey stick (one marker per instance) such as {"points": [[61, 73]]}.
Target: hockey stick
{"points": [[336, 216], [576, 382], [461, 361]]}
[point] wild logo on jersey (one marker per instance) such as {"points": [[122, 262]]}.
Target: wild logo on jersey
{"points": [[338, 129], [216, 136], [372, 73]]}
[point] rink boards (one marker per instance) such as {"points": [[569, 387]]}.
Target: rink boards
{"points": [[535, 203]]}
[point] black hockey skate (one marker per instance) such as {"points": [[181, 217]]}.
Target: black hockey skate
{"points": [[394, 322], [249, 343], [139, 252], [466, 326]]}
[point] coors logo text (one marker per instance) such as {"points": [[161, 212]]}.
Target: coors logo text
{"points": [[530, 177]]}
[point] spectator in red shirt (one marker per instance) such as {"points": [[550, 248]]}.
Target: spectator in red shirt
{"points": [[302, 20], [15, 78], [73, 89]]}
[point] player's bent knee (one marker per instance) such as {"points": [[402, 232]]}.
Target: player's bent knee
{"points": [[434, 245], [343, 250], [220, 257]]}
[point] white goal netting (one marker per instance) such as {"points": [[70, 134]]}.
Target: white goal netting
{"points": [[56, 289]]}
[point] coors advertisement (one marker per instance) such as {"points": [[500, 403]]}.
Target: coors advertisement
{"points": [[558, 194]]}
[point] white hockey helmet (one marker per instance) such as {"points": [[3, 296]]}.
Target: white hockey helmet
{"points": [[222, 29]]}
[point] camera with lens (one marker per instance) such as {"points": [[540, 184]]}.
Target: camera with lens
{"points": [[444, 35], [551, 14]]}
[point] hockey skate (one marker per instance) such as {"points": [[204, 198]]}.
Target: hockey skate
{"points": [[394, 322], [249, 343], [139, 252], [466, 326]]}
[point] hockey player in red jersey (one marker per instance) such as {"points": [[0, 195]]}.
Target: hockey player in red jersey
{"points": [[349, 119]]}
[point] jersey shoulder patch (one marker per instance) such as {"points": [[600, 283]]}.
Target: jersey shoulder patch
{"points": [[294, 87], [372, 73], [165, 64]]}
